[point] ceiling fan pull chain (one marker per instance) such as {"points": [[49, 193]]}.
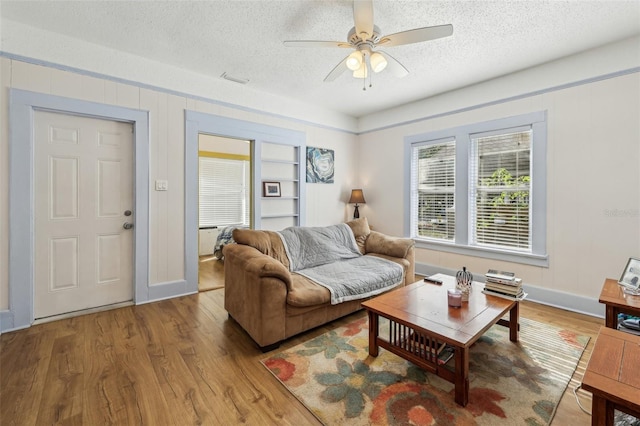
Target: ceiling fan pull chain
{"points": [[366, 71]]}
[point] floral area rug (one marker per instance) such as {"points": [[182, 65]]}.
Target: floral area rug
{"points": [[510, 383]]}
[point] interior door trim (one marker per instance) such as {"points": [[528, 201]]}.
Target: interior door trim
{"points": [[22, 105], [199, 122]]}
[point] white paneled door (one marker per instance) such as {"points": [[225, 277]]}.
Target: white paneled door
{"points": [[83, 213]]}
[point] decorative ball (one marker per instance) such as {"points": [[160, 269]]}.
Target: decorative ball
{"points": [[463, 283]]}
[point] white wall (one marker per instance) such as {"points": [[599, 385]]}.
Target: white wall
{"points": [[326, 204], [604, 60], [593, 193]]}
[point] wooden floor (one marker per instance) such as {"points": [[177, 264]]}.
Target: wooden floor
{"points": [[177, 362], [210, 273]]}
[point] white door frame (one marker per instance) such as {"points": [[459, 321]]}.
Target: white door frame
{"points": [[22, 105]]}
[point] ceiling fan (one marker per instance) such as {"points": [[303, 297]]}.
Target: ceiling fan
{"points": [[365, 38]]}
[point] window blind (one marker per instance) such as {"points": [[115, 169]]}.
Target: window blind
{"points": [[432, 196], [223, 192], [500, 184]]}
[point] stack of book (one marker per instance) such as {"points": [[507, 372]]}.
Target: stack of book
{"points": [[504, 284], [439, 350]]}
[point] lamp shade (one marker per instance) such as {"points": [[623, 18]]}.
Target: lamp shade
{"points": [[354, 61], [361, 72], [378, 62], [357, 197]]}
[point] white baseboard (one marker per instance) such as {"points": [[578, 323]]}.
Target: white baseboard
{"points": [[544, 296]]}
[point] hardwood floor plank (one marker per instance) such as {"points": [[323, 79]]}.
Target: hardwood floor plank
{"points": [[121, 386], [186, 403], [24, 374], [62, 400]]}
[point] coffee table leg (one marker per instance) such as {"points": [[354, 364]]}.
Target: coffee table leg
{"points": [[513, 322], [373, 334], [611, 317], [462, 376], [602, 411]]}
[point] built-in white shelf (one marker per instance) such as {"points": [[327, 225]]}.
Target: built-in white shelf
{"points": [[280, 198], [282, 163]]}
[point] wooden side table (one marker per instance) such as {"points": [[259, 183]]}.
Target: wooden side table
{"points": [[613, 376], [616, 302]]}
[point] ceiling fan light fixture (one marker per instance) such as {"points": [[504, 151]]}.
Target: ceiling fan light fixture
{"points": [[378, 62], [361, 72], [354, 61]]}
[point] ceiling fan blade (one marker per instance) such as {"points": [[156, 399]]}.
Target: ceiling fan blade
{"points": [[315, 43], [339, 69], [363, 18], [395, 67], [416, 35]]}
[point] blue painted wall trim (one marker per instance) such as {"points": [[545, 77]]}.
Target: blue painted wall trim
{"points": [[507, 99], [311, 123], [168, 91]]}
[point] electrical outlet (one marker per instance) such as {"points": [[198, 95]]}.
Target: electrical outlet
{"points": [[161, 185]]}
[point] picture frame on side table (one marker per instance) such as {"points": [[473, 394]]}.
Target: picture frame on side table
{"points": [[271, 189], [630, 278]]}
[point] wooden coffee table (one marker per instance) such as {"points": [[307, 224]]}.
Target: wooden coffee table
{"points": [[420, 319]]}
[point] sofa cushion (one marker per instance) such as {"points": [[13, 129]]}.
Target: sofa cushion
{"points": [[361, 231], [400, 261]]}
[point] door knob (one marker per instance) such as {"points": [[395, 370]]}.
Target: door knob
{"points": [[127, 225], [127, 212]]}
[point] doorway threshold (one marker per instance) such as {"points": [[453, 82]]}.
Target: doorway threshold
{"points": [[82, 312]]}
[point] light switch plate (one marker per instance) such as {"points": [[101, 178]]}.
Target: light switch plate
{"points": [[162, 185]]}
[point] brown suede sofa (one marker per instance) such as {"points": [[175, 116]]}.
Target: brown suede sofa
{"points": [[272, 304]]}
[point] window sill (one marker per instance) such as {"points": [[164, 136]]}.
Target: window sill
{"points": [[502, 255]]}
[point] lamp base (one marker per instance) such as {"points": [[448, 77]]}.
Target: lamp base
{"points": [[356, 213]]}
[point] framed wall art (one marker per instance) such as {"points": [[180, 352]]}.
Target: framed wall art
{"points": [[630, 277], [320, 165], [271, 189]]}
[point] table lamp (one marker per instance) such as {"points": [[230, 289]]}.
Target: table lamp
{"points": [[357, 196]]}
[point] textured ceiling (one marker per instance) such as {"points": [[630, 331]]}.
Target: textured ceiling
{"points": [[244, 39]]}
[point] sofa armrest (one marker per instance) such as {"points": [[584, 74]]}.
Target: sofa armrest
{"points": [[252, 261], [255, 294], [378, 242], [402, 248]]}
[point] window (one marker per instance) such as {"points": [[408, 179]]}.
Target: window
{"points": [[480, 189], [500, 171], [433, 194], [224, 192]]}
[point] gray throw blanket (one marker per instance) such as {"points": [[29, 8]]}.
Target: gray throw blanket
{"points": [[330, 257], [309, 247]]}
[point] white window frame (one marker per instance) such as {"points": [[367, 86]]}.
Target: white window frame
{"points": [[462, 243]]}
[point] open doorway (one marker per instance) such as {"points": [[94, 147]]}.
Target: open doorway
{"points": [[224, 201]]}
